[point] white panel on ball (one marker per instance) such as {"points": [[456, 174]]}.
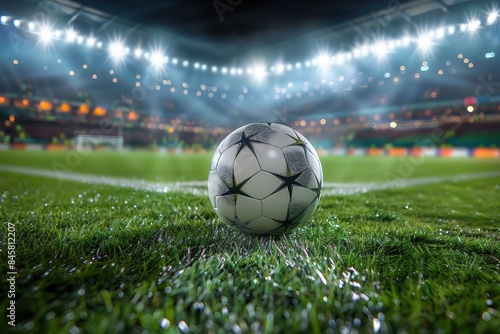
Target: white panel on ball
{"points": [[309, 211], [216, 183], [315, 164], [225, 206], [254, 128], [231, 139], [261, 185], [245, 165], [301, 199], [262, 225], [276, 205], [285, 129], [225, 166], [307, 179], [215, 160], [227, 221], [270, 158], [274, 137], [247, 208], [295, 159]]}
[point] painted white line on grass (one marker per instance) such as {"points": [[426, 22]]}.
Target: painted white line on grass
{"points": [[353, 188], [200, 187], [194, 187]]}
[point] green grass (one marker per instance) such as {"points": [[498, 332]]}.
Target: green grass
{"points": [[98, 259], [173, 167]]}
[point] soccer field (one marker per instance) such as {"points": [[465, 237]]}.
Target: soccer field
{"points": [[98, 258]]}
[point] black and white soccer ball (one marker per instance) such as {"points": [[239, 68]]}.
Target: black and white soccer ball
{"points": [[265, 178]]}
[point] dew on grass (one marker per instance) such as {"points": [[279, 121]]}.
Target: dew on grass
{"points": [[74, 330], [486, 316], [69, 316], [164, 323], [29, 325], [50, 315], [355, 284], [376, 325]]}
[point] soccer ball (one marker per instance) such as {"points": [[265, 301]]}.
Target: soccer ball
{"points": [[265, 178]]}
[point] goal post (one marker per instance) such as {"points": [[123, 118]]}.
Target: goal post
{"points": [[93, 142]]}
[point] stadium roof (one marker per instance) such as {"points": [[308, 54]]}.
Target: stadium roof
{"points": [[279, 71], [233, 30]]}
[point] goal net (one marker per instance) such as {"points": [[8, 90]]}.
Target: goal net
{"points": [[97, 142]]}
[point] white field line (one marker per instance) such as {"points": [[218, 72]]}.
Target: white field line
{"points": [[353, 188], [200, 187]]}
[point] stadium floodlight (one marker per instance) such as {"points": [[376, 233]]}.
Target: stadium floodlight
{"points": [[239, 71], [17, 23], [405, 41], [91, 41], [157, 59], [473, 25], [380, 50], [492, 17], [196, 65], [31, 26], [289, 67], [424, 42], [203, 67], [138, 53], [259, 72], [232, 71], [45, 34], [323, 60], [185, 63], [116, 50], [440, 32], [4, 19], [71, 35], [224, 70], [356, 52], [280, 68], [79, 40], [175, 61], [451, 30], [214, 69]]}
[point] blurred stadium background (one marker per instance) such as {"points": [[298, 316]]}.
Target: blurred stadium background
{"points": [[387, 78], [123, 239]]}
